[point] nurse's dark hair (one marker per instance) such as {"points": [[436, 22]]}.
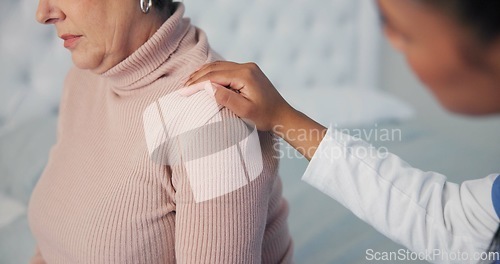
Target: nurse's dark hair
{"points": [[481, 17], [164, 5]]}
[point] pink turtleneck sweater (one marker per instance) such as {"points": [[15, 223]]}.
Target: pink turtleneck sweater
{"points": [[140, 174]]}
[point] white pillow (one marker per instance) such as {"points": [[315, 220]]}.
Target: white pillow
{"points": [[10, 210], [348, 107]]}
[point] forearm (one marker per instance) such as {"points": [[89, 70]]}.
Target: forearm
{"points": [[300, 131], [417, 209]]}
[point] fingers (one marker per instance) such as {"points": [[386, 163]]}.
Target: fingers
{"points": [[228, 78], [233, 101], [236, 77], [223, 96], [211, 67], [190, 90]]}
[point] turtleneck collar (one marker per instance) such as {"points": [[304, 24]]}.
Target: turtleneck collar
{"points": [[143, 66]]}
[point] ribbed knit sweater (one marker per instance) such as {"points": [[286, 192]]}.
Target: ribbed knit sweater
{"points": [[201, 189]]}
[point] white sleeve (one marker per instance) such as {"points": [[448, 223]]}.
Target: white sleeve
{"points": [[420, 210]]}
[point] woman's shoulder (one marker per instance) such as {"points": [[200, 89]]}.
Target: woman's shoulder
{"points": [[196, 118], [182, 113]]}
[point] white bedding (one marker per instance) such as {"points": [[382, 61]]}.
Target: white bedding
{"points": [[348, 107], [10, 210], [24, 152]]}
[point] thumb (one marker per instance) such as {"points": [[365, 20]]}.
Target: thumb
{"points": [[232, 100]]}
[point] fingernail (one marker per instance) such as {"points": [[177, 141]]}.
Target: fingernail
{"points": [[190, 90], [217, 86], [186, 91]]}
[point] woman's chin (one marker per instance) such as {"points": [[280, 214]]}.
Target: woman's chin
{"points": [[86, 62]]}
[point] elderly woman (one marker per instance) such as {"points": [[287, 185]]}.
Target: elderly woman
{"points": [[140, 174]]}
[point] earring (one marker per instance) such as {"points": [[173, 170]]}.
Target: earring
{"points": [[146, 5]]}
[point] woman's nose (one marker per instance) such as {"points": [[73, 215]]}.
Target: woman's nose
{"points": [[48, 12]]}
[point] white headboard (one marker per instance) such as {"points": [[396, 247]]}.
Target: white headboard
{"points": [[33, 63], [298, 43]]}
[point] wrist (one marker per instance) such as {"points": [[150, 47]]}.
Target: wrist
{"points": [[286, 119]]}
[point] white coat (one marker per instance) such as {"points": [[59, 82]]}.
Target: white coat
{"points": [[419, 210]]}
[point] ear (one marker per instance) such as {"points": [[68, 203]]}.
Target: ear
{"points": [[396, 41], [491, 53]]}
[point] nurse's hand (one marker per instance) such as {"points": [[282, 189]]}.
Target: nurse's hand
{"points": [[245, 90]]}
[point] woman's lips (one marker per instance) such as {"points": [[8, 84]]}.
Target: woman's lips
{"points": [[70, 40]]}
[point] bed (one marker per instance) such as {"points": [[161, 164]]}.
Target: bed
{"points": [[323, 231]]}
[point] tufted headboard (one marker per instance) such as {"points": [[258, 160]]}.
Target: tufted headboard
{"points": [[32, 64], [300, 45]]}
